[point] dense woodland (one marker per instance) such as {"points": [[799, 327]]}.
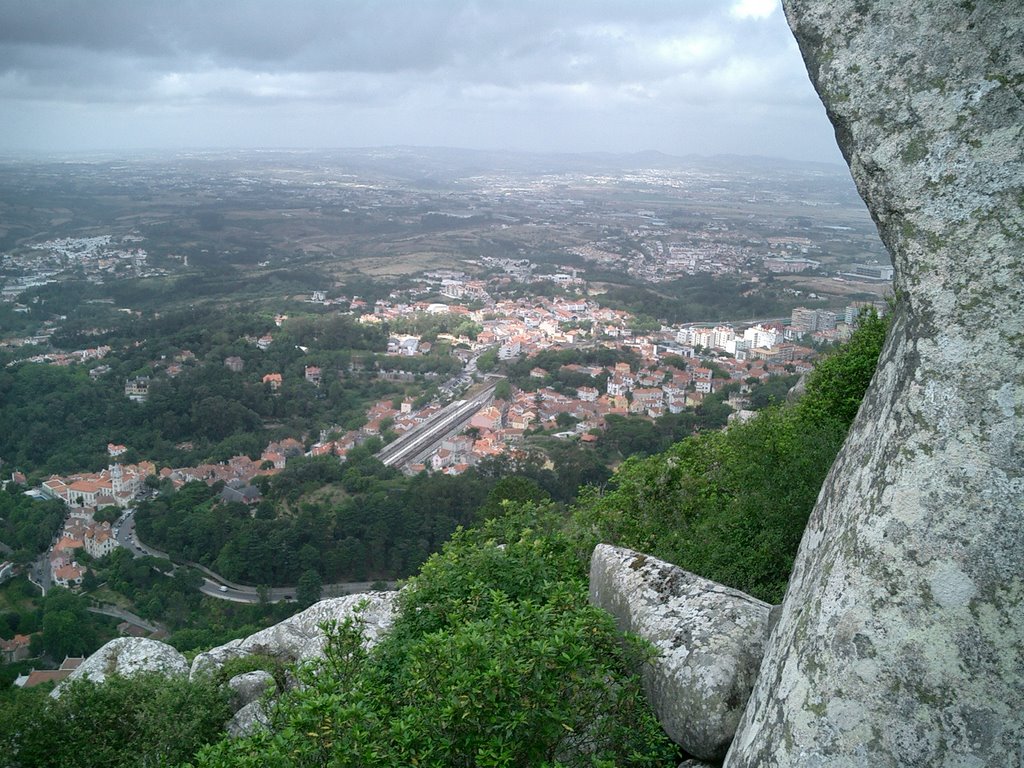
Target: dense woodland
{"points": [[60, 419], [701, 298], [27, 526], [360, 520], [348, 522]]}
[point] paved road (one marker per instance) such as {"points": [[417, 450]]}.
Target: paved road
{"points": [[276, 594], [120, 613], [39, 572], [127, 538], [215, 585]]}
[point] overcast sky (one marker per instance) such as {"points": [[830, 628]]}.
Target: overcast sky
{"points": [[679, 76]]}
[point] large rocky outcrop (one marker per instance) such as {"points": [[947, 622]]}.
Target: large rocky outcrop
{"points": [[709, 641], [901, 640], [300, 637], [127, 656]]}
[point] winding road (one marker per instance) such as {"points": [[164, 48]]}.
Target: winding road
{"points": [[215, 585]]}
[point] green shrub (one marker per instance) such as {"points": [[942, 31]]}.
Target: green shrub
{"points": [[496, 659], [146, 720], [837, 384], [252, 663]]}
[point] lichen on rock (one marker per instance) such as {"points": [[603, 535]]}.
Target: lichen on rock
{"points": [[707, 639], [128, 656], [300, 637], [901, 639]]}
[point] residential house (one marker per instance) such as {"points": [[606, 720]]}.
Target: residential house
{"points": [[618, 385], [442, 458], [241, 492], [39, 676], [648, 399], [486, 419], [704, 386], [15, 649], [69, 576], [136, 389], [511, 349], [99, 540], [650, 378], [521, 418], [278, 453], [676, 401]]}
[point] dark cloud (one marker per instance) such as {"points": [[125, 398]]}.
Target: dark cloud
{"points": [[511, 67]]}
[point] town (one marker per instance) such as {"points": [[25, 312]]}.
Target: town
{"points": [[235, 327], [670, 376]]}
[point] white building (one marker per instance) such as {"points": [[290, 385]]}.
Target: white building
{"points": [[759, 336], [510, 349], [99, 540]]}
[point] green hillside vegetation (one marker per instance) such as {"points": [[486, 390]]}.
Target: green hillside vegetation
{"points": [[27, 525], [496, 657], [59, 419], [732, 505], [349, 522], [148, 720], [701, 297], [381, 525]]}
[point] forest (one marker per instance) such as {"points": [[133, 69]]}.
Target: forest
{"points": [[56, 419], [355, 521], [27, 525], [701, 298]]}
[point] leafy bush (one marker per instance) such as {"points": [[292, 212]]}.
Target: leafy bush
{"points": [[147, 720], [496, 659], [27, 525], [837, 384]]}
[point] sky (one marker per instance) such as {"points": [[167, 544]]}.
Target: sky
{"points": [[682, 77]]}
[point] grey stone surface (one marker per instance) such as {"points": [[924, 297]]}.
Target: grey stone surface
{"points": [[127, 656], [300, 638], [249, 719], [251, 686], [798, 390], [709, 640], [901, 640]]}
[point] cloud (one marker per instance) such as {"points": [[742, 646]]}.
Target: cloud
{"points": [[529, 65], [754, 9]]}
